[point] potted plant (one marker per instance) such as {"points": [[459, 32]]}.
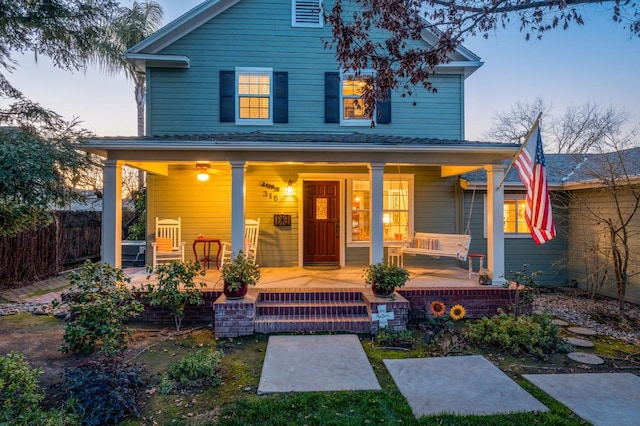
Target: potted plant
{"points": [[238, 274], [384, 278]]}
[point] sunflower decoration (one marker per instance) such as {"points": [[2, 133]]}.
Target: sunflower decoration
{"points": [[437, 308], [457, 312]]}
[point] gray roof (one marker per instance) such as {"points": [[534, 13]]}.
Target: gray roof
{"points": [[342, 138], [565, 169]]}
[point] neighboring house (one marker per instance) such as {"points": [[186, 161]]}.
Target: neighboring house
{"points": [[247, 91], [580, 254]]}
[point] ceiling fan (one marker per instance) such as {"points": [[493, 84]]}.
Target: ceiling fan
{"points": [[204, 171]]}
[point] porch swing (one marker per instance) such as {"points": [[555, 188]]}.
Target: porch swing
{"points": [[438, 245]]}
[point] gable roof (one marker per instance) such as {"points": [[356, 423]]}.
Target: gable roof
{"points": [[146, 52]]}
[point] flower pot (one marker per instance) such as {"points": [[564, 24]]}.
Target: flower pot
{"points": [[382, 292], [235, 294]]}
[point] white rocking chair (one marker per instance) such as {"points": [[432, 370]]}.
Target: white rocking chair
{"points": [[251, 233], [167, 246]]}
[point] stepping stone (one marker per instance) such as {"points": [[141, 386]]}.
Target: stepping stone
{"points": [[582, 330], [584, 358], [581, 343], [560, 323]]}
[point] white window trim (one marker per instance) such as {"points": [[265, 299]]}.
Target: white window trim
{"points": [[507, 235], [355, 122], [294, 21], [253, 121], [389, 177]]}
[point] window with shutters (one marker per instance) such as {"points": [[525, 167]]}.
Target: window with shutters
{"points": [[353, 113], [306, 13], [254, 93]]}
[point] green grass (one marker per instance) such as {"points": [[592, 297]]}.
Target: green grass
{"points": [[235, 402]]}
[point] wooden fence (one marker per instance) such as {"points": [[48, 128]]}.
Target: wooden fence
{"points": [[49, 249]]}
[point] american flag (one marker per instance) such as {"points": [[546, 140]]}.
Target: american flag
{"points": [[531, 168]]}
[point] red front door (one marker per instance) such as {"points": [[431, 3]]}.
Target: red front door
{"points": [[321, 222]]}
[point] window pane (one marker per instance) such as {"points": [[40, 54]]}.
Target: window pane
{"points": [[360, 210], [352, 87], [522, 220], [254, 107], [353, 108], [510, 216], [396, 208], [254, 84]]}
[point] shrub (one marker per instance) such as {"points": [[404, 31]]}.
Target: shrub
{"points": [[105, 389], [175, 288], [99, 303], [403, 339], [20, 396], [197, 369], [534, 334]]}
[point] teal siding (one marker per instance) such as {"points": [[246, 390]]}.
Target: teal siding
{"points": [[259, 34], [549, 258]]}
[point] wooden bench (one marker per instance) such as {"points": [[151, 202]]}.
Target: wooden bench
{"points": [[439, 245]]}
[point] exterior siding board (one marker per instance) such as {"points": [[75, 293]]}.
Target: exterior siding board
{"points": [[585, 234], [186, 101], [548, 258]]}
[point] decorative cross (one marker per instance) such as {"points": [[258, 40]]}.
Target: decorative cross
{"points": [[383, 315]]}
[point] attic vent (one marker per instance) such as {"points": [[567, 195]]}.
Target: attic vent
{"points": [[306, 13]]}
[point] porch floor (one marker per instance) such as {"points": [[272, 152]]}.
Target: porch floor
{"points": [[349, 277]]}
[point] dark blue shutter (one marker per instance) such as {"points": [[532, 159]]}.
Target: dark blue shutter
{"points": [[331, 97], [384, 110], [227, 96], [281, 97]]}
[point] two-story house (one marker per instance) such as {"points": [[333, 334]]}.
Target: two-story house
{"points": [[246, 92]]}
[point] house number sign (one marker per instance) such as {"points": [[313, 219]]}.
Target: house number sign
{"points": [[269, 190]]}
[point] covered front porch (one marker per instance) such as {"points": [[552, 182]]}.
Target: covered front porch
{"points": [[380, 190], [296, 299]]}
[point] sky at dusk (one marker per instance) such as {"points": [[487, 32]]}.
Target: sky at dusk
{"points": [[597, 62]]}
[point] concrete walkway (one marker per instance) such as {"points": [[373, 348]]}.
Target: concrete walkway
{"points": [[459, 385]]}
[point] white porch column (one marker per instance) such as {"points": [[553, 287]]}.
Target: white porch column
{"points": [[237, 205], [495, 224], [376, 175], [111, 247]]}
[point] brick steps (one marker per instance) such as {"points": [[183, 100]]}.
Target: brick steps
{"points": [[328, 311]]}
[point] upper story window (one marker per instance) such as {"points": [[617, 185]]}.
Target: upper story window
{"points": [[306, 13], [353, 113], [254, 95]]}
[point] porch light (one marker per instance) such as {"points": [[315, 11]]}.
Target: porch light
{"points": [[202, 175], [289, 187]]}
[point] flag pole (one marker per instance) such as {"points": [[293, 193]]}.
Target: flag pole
{"points": [[526, 139]]}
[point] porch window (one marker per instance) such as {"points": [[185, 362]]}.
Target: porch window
{"points": [[351, 100], [254, 96], [515, 223], [397, 209]]}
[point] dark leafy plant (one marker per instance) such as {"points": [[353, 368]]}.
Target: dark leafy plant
{"points": [[175, 288], [20, 396], [526, 288], [197, 369], [240, 271], [105, 389], [402, 339], [534, 334], [441, 328], [99, 304], [385, 276]]}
